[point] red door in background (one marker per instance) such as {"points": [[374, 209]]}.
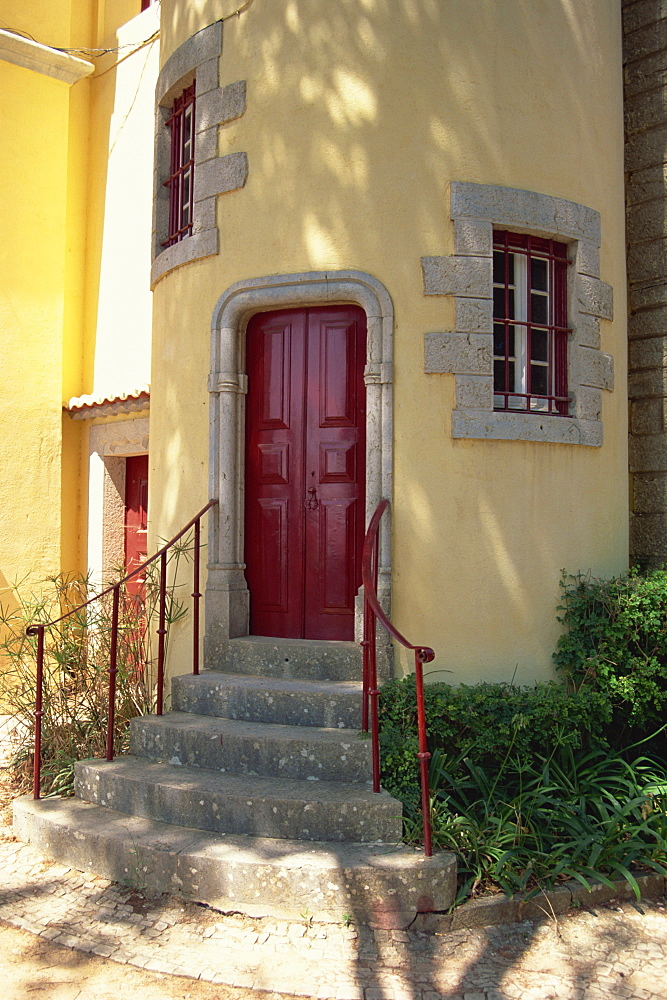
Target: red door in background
{"points": [[136, 523], [305, 470]]}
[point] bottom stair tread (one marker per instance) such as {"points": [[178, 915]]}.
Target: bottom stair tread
{"points": [[259, 876]]}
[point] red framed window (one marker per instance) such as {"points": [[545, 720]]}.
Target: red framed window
{"points": [[180, 182], [530, 332]]}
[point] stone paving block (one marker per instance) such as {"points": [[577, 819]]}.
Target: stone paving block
{"points": [[103, 950], [49, 932], [460, 962]]}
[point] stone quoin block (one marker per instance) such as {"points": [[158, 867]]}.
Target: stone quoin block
{"points": [[458, 353], [468, 276], [473, 315]]}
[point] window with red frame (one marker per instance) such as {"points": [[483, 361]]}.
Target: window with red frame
{"points": [[180, 182], [530, 330]]}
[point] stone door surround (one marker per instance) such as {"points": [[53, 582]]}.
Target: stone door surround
{"points": [[227, 597]]}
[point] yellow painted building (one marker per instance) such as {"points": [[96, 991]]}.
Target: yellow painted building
{"points": [[75, 302], [453, 170]]}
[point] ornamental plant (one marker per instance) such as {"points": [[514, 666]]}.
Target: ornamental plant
{"points": [[525, 788], [615, 643], [76, 666]]}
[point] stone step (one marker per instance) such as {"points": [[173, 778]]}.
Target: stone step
{"points": [[380, 886], [310, 659], [230, 803], [332, 704], [232, 745]]}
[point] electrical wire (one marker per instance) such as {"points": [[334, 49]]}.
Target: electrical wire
{"points": [[98, 53], [239, 11], [141, 45], [90, 53]]}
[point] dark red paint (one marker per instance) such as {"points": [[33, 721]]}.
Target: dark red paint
{"points": [[305, 470], [136, 518]]}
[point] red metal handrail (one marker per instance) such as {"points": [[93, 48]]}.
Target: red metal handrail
{"points": [[40, 629], [423, 654]]}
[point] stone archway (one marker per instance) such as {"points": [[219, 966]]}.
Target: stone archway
{"points": [[226, 591]]}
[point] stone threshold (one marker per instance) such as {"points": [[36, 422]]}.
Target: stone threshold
{"points": [[490, 911]]}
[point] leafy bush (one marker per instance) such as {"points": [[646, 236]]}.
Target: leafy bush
{"points": [[524, 788], [615, 643], [483, 721], [76, 671]]}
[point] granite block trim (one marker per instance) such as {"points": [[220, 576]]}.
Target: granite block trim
{"points": [[467, 352], [464, 353], [197, 59], [494, 910]]}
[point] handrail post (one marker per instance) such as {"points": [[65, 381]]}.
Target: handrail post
{"points": [[364, 666], [196, 597], [39, 630], [373, 692], [162, 631], [364, 674], [39, 689], [113, 659], [424, 755], [423, 654]]}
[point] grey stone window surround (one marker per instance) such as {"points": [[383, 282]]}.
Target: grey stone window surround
{"points": [[467, 352], [197, 59]]}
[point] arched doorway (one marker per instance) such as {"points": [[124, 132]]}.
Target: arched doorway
{"points": [[227, 595], [305, 470]]}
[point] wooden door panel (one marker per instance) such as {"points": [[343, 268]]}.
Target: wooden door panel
{"points": [[275, 377], [274, 473], [337, 383], [335, 462], [272, 542], [338, 463], [333, 585], [273, 463]]}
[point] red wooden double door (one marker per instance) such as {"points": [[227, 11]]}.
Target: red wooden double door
{"points": [[305, 470]]}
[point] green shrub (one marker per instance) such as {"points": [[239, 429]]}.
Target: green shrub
{"points": [[524, 787], [615, 643], [483, 721], [563, 815]]}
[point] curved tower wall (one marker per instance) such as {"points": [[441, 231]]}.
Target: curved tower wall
{"points": [[363, 152]]}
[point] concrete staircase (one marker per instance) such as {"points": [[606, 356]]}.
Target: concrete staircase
{"points": [[251, 795]]}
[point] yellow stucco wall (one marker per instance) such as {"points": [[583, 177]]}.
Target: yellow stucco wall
{"points": [[359, 116], [34, 118], [75, 299]]}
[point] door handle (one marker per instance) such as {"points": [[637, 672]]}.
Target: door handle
{"points": [[312, 502]]}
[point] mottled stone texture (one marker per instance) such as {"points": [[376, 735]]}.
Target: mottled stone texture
{"points": [[253, 797], [645, 59]]}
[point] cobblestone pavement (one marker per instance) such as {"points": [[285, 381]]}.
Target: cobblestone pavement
{"points": [[618, 951]]}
